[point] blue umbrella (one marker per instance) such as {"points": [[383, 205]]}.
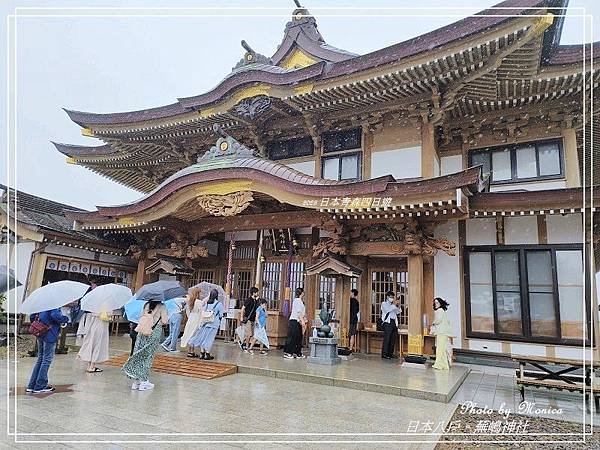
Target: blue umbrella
{"points": [[160, 290], [134, 308]]}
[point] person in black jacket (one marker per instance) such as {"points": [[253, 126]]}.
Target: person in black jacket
{"points": [[354, 310]]}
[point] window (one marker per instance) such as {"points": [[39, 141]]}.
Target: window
{"points": [[523, 162], [296, 276], [337, 141], [532, 293], [342, 167], [204, 275], [241, 282], [272, 284], [291, 148], [383, 281], [326, 292]]}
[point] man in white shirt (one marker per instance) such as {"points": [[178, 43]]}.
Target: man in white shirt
{"points": [[390, 309]]}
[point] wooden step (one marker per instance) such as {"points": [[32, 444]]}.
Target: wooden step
{"points": [[186, 367]]}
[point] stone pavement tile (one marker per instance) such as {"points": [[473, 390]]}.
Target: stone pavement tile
{"points": [[489, 379]]}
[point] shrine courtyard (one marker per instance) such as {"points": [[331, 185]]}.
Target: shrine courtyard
{"points": [[267, 396]]}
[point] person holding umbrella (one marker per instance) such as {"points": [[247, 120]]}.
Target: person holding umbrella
{"points": [[93, 326], [150, 331], [46, 326], [210, 321]]}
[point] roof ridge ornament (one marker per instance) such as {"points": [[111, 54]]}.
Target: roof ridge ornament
{"points": [[227, 146], [252, 57]]}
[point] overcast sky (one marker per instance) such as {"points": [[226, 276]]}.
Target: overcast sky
{"points": [[109, 64]]}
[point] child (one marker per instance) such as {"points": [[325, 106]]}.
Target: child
{"points": [[260, 330]]}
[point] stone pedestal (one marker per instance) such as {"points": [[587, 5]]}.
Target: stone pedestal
{"points": [[323, 350]]}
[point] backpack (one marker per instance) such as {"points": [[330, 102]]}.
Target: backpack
{"points": [[38, 328], [208, 316], [380, 322], [145, 325]]}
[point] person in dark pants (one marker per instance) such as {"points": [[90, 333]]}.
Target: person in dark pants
{"points": [[354, 310], [390, 309], [293, 343], [38, 382], [133, 335]]}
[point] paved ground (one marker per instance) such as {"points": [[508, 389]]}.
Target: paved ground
{"points": [[243, 403]]}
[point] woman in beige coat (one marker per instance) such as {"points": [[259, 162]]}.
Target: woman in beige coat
{"points": [[93, 333]]}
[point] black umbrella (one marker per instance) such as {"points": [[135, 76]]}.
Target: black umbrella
{"points": [[160, 290], [8, 280]]}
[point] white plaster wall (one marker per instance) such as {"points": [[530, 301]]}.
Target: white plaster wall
{"points": [[530, 186], [303, 230], [481, 345], [481, 231], [451, 164], [520, 230], [564, 229], [436, 167], [572, 352], [447, 279], [307, 167], [527, 349], [400, 163]]}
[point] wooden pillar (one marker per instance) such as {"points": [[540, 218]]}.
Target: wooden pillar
{"points": [[415, 304], [35, 277], [140, 275], [342, 307], [367, 145], [428, 151], [571, 157], [428, 291]]}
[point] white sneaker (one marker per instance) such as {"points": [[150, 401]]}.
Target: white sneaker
{"points": [[135, 385], [165, 347], [288, 356], [145, 386]]}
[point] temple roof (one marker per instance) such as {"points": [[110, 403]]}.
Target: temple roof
{"points": [[301, 34], [51, 219]]}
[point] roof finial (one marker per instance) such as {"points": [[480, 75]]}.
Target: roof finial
{"points": [[247, 47], [297, 2]]}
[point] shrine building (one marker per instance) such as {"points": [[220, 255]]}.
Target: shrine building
{"points": [[454, 164]]}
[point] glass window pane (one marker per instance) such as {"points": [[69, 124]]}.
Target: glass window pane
{"points": [[541, 293], [526, 165], [549, 156], [350, 167], [331, 167], [539, 271], [508, 294], [543, 314], [501, 165], [569, 268], [483, 159], [480, 284], [381, 282]]}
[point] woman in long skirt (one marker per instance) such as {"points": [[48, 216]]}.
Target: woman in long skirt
{"points": [[138, 366], [260, 329], [441, 329], [193, 308], [94, 345], [205, 336], [293, 343]]}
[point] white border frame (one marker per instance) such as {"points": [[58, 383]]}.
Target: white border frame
{"points": [[12, 114]]}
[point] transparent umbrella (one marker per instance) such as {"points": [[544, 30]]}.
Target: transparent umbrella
{"points": [[105, 298], [53, 295], [8, 280], [205, 288]]}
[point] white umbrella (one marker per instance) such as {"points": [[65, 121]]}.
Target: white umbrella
{"points": [[52, 296], [105, 298]]}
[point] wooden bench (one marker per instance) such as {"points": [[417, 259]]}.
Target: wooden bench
{"points": [[557, 373]]}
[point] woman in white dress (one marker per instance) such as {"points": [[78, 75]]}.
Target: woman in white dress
{"points": [[193, 307], [93, 334], [441, 329]]}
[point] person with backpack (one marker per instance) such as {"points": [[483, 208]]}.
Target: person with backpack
{"points": [[210, 321], [149, 334], [46, 328]]}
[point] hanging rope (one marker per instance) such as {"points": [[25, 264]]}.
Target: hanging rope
{"points": [[230, 263]]}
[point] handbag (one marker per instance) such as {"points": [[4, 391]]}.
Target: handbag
{"points": [[38, 328], [105, 317], [380, 322]]}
